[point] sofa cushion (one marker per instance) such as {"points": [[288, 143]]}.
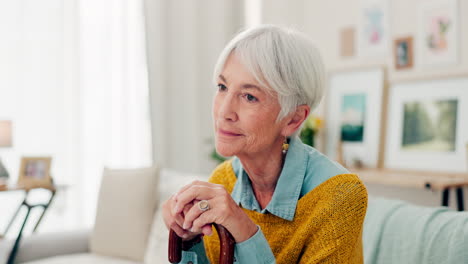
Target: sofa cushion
{"points": [[158, 242], [126, 205], [170, 182], [45, 245], [82, 258]]}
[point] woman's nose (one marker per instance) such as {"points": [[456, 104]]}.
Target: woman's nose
{"points": [[228, 109]]}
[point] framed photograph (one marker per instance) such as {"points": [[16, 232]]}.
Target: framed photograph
{"points": [[403, 53], [354, 114], [373, 28], [438, 33], [35, 172], [347, 40], [427, 125]]}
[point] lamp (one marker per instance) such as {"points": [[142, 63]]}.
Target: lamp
{"points": [[5, 142]]}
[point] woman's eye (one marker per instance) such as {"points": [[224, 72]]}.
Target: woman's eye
{"points": [[251, 98], [222, 87]]}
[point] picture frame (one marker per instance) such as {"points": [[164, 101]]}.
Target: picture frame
{"points": [[4, 175], [438, 33], [355, 116], [373, 28], [427, 125], [35, 172], [403, 53], [347, 42]]}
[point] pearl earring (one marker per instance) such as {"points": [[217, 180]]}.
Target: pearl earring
{"points": [[285, 146]]}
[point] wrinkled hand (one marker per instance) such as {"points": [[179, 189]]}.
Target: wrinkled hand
{"points": [[176, 221], [188, 217]]}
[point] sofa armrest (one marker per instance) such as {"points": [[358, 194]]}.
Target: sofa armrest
{"points": [[45, 245]]}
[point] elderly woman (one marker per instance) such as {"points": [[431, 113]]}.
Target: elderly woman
{"points": [[282, 201]]}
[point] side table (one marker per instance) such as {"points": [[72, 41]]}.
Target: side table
{"points": [[29, 207], [437, 181]]}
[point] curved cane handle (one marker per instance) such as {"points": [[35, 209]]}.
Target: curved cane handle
{"points": [[226, 252], [175, 247]]}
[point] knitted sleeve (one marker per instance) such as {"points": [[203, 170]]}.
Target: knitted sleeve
{"points": [[338, 236]]}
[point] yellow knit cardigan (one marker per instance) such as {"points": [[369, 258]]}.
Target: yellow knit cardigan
{"points": [[327, 226]]}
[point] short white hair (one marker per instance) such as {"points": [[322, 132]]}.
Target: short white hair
{"points": [[281, 59]]}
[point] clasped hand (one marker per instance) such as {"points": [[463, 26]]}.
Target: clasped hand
{"points": [[182, 214]]}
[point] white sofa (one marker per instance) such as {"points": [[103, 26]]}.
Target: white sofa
{"points": [[394, 232], [128, 229]]}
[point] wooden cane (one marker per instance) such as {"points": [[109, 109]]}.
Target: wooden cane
{"points": [[226, 252]]}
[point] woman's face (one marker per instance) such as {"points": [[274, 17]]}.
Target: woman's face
{"points": [[244, 113]]}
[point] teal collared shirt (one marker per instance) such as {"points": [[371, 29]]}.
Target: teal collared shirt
{"points": [[304, 169]]}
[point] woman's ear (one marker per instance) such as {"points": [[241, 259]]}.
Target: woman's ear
{"points": [[295, 120]]}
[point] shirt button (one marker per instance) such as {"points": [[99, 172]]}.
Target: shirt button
{"points": [[190, 262]]}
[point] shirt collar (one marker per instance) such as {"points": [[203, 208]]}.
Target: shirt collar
{"points": [[284, 201]]}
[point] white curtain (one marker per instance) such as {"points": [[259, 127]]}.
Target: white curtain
{"points": [[75, 85], [39, 93], [184, 39], [115, 114]]}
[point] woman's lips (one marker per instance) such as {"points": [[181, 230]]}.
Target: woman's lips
{"points": [[228, 133]]}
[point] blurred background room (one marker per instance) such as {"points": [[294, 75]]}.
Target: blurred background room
{"points": [[125, 84]]}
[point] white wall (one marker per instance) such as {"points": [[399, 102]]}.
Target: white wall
{"points": [[115, 116], [38, 93], [323, 20]]}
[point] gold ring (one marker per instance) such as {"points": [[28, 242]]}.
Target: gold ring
{"points": [[204, 205]]}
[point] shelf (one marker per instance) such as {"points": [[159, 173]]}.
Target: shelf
{"points": [[416, 179]]}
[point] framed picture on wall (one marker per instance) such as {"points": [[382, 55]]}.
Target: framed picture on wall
{"points": [[438, 33], [403, 53], [35, 172], [427, 125], [373, 28], [347, 40], [354, 115]]}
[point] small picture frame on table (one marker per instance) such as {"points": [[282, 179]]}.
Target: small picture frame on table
{"points": [[35, 172]]}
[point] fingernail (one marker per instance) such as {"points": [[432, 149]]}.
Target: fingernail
{"points": [[176, 209], [184, 236], [185, 226]]}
